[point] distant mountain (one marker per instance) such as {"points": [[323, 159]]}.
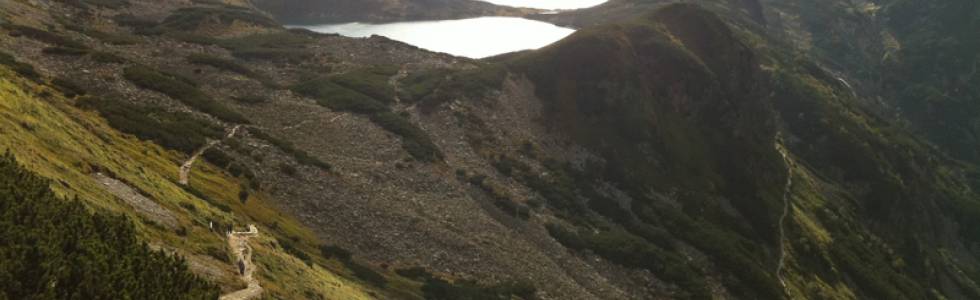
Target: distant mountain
{"points": [[338, 11], [918, 56]]}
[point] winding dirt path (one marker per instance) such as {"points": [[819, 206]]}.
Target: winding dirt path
{"points": [[782, 219], [238, 241], [185, 169]]}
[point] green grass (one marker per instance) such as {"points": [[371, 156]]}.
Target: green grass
{"points": [[182, 91]]}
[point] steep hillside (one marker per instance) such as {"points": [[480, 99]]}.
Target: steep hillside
{"points": [[687, 122], [910, 60], [676, 152], [376, 11]]}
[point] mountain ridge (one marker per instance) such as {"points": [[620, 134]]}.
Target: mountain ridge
{"points": [[647, 158]]}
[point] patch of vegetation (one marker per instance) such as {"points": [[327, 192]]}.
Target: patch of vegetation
{"points": [[229, 65], [629, 250], [250, 99], [336, 97], [339, 98], [85, 4], [331, 251], [418, 85], [91, 256], [174, 130], [729, 250], [24, 69], [414, 140], [363, 272], [291, 248], [435, 288], [112, 38], [500, 197], [64, 51], [139, 25], [43, 36], [68, 87], [276, 46], [182, 91], [106, 57], [288, 55], [372, 82], [191, 18], [301, 156]]}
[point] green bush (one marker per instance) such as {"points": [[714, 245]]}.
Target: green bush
{"points": [[417, 86], [250, 99], [229, 65], [85, 4], [628, 250], [339, 98], [415, 273], [295, 56], [68, 87], [24, 69], [218, 158], [439, 289], [112, 38], [219, 254], [191, 18], [106, 57], [180, 90], [64, 51], [372, 82], [291, 248], [366, 273], [414, 140], [301, 156], [43, 36], [137, 23], [330, 251], [47, 240], [174, 130], [220, 63]]}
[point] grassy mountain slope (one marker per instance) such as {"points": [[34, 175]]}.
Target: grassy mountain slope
{"points": [[58, 141], [675, 101]]}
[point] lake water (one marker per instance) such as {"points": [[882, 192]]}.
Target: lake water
{"points": [[474, 38], [548, 4]]}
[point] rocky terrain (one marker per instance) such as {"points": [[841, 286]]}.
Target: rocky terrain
{"points": [[379, 11], [661, 152]]}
